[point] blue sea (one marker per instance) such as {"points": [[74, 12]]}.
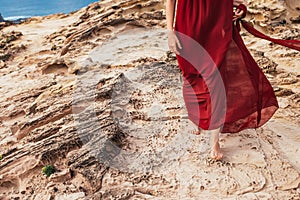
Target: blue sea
{"points": [[16, 9]]}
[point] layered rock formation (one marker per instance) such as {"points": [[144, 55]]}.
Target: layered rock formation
{"points": [[1, 18], [97, 94]]}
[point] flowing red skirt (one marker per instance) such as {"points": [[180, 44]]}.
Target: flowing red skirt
{"points": [[223, 85]]}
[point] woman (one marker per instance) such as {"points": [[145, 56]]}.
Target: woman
{"points": [[224, 89]]}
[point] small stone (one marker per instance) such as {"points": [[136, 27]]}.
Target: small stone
{"points": [[61, 176], [2, 64], [71, 196]]}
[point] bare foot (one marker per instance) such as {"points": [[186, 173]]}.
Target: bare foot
{"points": [[197, 132], [216, 153]]}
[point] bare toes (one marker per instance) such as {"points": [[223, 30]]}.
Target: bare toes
{"points": [[220, 156], [196, 132], [216, 155]]}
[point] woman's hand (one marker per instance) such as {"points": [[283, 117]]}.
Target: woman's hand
{"points": [[237, 13], [173, 42]]}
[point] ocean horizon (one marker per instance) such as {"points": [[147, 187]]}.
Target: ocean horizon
{"points": [[14, 9]]}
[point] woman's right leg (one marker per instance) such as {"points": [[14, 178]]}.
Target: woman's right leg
{"points": [[216, 153]]}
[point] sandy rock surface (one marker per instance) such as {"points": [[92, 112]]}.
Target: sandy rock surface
{"points": [[97, 94]]}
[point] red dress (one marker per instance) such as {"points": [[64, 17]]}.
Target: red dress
{"points": [[223, 85]]}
